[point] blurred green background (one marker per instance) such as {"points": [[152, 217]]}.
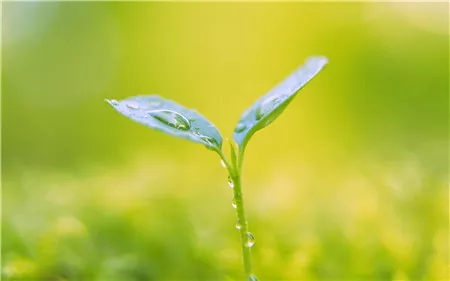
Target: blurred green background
{"points": [[350, 183]]}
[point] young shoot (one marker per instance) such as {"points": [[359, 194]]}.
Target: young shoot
{"points": [[176, 120]]}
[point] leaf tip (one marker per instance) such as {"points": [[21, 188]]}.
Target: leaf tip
{"points": [[318, 60], [112, 102]]}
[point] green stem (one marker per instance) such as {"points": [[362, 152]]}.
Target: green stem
{"points": [[246, 251], [235, 173]]}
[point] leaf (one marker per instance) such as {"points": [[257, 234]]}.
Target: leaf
{"points": [[267, 108], [171, 118]]}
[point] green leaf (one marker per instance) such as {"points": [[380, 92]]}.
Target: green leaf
{"points": [[171, 118], [267, 108]]}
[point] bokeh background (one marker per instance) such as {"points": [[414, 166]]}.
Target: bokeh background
{"points": [[350, 183]]}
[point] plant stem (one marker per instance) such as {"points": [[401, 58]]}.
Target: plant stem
{"points": [[235, 173], [246, 251]]}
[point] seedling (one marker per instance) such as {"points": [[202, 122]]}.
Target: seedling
{"points": [[176, 120]]}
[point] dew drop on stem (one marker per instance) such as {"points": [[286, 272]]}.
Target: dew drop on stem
{"points": [[230, 182], [250, 240]]}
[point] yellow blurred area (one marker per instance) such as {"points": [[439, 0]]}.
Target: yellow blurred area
{"points": [[350, 183]]}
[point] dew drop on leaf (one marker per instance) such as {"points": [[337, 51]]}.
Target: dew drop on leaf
{"points": [[233, 203], [250, 240], [113, 102], [223, 164], [267, 106], [238, 224], [154, 103], [132, 105], [240, 127], [253, 278], [209, 141], [171, 118]]}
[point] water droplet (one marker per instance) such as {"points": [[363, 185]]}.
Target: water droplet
{"points": [[223, 163], [250, 240], [132, 105], [113, 102], [233, 203], [240, 127], [209, 141], [171, 118], [154, 103], [150, 102], [253, 278], [238, 224], [230, 182], [268, 105]]}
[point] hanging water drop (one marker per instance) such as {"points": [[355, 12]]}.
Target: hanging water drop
{"points": [[267, 106], [223, 163], [253, 278], [238, 224], [250, 240], [171, 118], [230, 182], [240, 127], [233, 203]]}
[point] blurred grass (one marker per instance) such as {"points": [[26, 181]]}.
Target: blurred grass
{"points": [[351, 183]]}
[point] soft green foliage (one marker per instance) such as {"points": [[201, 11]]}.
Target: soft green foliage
{"points": [[267, 108], [169, 117]]}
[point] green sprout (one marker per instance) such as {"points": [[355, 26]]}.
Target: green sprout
{"points": [[176, 120]]}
